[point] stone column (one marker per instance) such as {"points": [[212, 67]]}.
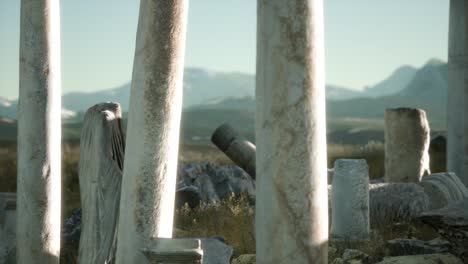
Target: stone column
{"points": [[101, 163], [291, 199], [39, 133], [350, 200], [407, 139], [457, 148], [236, 147], [150, 167]]}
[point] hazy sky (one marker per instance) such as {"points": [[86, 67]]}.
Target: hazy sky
{"points": [[365, 39]]}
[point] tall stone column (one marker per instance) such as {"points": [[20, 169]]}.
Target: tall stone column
{"points": [[150, 166], [291, 204], [39, 133], [457, 148]]}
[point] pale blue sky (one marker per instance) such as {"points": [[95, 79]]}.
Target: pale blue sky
{"points": [[365, 39]]}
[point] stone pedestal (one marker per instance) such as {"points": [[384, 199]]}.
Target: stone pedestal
{"points": [[149, 178], [101, 163], [236, 147], [174, 251], [291, 196], [350, 200], [39, 133], [457, 124], [407, 139]]}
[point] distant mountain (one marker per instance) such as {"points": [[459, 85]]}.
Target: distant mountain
{"points": [[212, 91], [8, 110], [430, 82], [4, 102], [427, 90], [396, 82], [334, 92], [81, 101], [200, 87]]}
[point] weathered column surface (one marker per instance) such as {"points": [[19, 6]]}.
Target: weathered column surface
{"points": [[101, 163], [236, 147], [149, 178], [291, 205], [39, 133], [350, 200], [457, 126], [407, 139]]}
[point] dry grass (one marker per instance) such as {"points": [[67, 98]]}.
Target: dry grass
{"points": [[373, 153], [232, 219]]}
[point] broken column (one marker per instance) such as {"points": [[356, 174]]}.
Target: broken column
{"points": [[444, 188], [100, 173], [39, 133], [350, 200], [457, 126], [407, 139], [291, 196], [236, 147], [149, 178]]}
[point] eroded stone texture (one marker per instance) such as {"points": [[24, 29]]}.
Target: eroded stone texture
{"points": [[236, 147], [291, 200], [407, 139], [457, 125], [39, 133], [350, 200], [148, 186], [100, 173], [443, 188]]}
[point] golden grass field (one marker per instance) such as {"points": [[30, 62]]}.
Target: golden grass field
{"points": [[232, 219]]}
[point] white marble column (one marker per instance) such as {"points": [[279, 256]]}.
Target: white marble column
{"points": [[291, 204], [39, 133], [457, 146], [150, 166]]}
